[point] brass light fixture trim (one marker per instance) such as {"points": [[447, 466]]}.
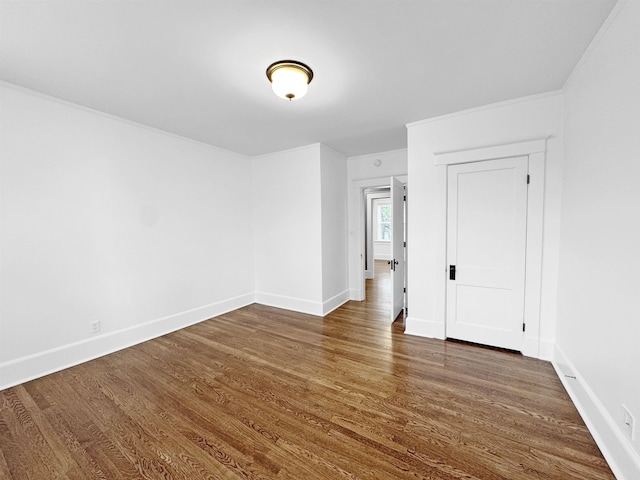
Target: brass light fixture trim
{"points": [[289, 65]]}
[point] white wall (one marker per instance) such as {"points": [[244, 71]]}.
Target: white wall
{"points": [[363, 171], [499, 124], [300, 229], [146, 232], [366, 167], [107, 220], [335, 289], [598, 336], [288, 231]]}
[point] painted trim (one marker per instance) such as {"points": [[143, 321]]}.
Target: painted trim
{"points": [[440, 273], [483, 108], [377, 154], [533, 255], [623, 460], [310, 146], [422, 327], [125, 121], [546, 348], [530, 344], [536, 151], [490, 153], [604, 28], [334, 302], [21, 370], [289, 303]]}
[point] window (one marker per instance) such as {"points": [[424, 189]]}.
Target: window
{"points": [[384, 222]]}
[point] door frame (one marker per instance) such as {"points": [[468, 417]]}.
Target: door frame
{"points": [[357, 209], [535, 150]]}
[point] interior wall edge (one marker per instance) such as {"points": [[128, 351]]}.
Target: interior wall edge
{"points": [[595, 42], [21, 370], [617, 451], [334, 302], [545, 349], [355, 294], [422, 327]]}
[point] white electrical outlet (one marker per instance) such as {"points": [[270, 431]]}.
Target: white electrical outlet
{"points": [[95, 326], [628, 423]]}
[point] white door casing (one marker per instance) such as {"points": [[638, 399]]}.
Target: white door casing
{"points": [[534, 344], [357, 210], [486, 251]]}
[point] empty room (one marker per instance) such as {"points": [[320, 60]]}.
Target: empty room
{"points": [[324, 239]]}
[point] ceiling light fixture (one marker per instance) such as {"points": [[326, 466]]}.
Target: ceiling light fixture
{"points": [[289, 79]]}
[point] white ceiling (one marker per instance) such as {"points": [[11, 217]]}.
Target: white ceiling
{"points": [[197, 68]]}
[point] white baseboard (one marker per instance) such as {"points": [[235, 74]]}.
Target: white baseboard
{"points": [[289, 303], [334, 302], [616, 449], [27, 368], [424, 328]]}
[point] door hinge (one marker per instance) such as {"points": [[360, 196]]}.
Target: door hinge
{"points": [[528, 179], [404, 289], [404, 244], [523, 327], [404, 198]]}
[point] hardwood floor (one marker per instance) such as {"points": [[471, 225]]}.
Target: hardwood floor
{"points": [[263, 393]]}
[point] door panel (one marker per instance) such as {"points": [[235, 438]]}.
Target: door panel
{"points": [[397, 247], [486, 241]]}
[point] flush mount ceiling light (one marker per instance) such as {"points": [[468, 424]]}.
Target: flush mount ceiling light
{"points": [[289, 79]]}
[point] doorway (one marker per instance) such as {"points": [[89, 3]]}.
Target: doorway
{"points": [[377, 236], [384, 236], [534, 150], [486, 249]]}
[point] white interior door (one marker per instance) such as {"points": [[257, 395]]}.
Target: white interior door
{"points": [[397, 247], [486, 246]]}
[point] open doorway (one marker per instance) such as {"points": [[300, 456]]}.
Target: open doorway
{"points": [[377, 232], [384, 245], [361, 261]]}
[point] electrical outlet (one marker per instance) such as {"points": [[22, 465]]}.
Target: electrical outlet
{"points": [[95, 326], [628, 423]]}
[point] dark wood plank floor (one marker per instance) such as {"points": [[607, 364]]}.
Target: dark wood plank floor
{"points": [[262, 393]]}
